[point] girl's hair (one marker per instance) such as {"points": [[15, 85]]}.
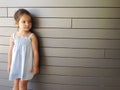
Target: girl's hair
{"points": [[21, 12]]}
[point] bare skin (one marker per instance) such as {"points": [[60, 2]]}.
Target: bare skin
{"points": [[20, 84]]}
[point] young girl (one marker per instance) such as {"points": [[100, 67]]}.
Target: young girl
{"points": [[23, 56]]}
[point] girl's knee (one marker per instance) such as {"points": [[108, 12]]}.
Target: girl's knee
{"points": [[23, 83], [16, 82]]}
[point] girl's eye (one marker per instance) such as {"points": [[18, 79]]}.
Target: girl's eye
{"points": [[26, 21], [23, 21]]}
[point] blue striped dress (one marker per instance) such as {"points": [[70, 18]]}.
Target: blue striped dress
{"points": [[22, 58]]}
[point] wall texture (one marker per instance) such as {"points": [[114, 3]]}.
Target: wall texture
{"points": [[79, 43]]}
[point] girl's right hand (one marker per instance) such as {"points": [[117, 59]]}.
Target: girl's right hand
{"points": [[8, 69]]}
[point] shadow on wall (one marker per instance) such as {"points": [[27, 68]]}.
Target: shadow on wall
{"points": [[39, 39], [35, 23], [34, 83]]}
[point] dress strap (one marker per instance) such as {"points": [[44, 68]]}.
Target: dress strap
{"points": [[30, 36], [13, 35]]}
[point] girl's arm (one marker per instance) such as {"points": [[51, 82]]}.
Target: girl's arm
{"points": [[36, 54], [10, 54]]}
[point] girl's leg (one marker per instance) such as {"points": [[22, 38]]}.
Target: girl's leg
{"points": [[16, 84], [23, 84]]}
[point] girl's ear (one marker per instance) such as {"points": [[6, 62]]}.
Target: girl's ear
{"points": [[16, 23]]}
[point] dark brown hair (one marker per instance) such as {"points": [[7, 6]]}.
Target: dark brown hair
{"points": [[21, 12]]}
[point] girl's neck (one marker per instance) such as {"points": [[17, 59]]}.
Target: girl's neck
{"points": [[23, 32]]}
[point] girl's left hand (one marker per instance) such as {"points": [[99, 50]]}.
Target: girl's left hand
{"points": [[35, 70]]}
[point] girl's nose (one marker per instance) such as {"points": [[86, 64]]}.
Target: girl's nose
{"points": [[26, 23]]}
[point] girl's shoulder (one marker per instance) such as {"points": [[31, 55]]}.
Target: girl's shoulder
{"points": [[33, 36], [13, 34], [30, 35]]}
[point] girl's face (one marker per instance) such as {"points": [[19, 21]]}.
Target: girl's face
{"points": [[25, 23]]}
